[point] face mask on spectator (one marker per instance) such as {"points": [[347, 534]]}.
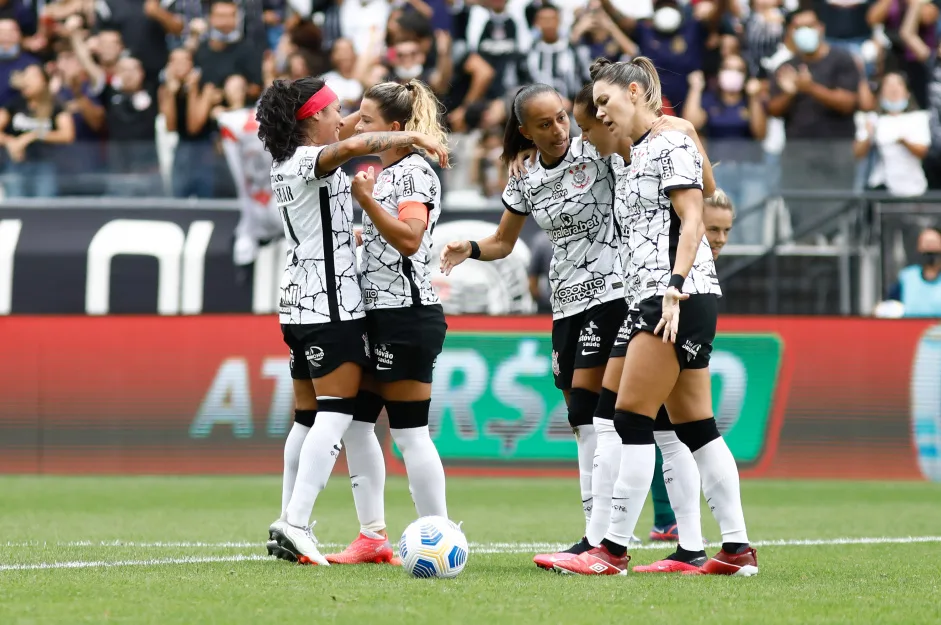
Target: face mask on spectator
{"points": [[807, 39], [731, 80], [667, 19], [893, 106], [929, 259], [221, 37], [408, 72], [9, 52]]}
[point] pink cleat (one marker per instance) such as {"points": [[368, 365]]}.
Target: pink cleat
{"points": [[598, 561], [672, 566], [547, 560], [743, 564], [366, 550]]}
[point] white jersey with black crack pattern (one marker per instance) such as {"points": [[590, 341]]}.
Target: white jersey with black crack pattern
{"points": [[572, 203], [631, 277], [319, 284], [659, 165], [389, 279]]}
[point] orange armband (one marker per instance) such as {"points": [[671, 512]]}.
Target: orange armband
{"points": [[414, 210]]}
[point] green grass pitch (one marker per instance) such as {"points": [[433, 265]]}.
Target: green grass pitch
{"points": [[186, 550]]}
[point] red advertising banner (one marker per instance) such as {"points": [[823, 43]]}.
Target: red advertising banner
{"points": [[212, 394]]}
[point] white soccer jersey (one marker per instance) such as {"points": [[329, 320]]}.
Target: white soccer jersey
{"points": [[572, 202], [659, 165], [631, 278], [319, 283], [389, 279]]}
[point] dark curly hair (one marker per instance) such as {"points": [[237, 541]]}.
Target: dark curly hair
{"points": [[278, 127]]}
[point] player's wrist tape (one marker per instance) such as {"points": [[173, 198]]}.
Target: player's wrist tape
{"points": [[676, 281], [475, 250]]}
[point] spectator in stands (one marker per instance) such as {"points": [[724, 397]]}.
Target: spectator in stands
{"points": [[553, 61], [361, 20], [732, 118], [487, 170], [929, 56], [98, 55], [901, 136], [12, 58], [816, 94], [186, 108], [76, 94], [717, 217], [225, 52], [342, 78], [131, 116], [847, 27], [144, 27], [890, 14], [595, 34], [21, 12], [919, 286], [32, 125], [502, 38], [760, 33]]}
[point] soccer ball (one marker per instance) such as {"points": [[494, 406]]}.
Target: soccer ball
{"points": [[433, 546]]}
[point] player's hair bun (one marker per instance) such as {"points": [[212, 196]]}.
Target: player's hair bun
{"points": [[597, 66]]}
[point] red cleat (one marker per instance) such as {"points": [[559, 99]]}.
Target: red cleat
{"points": [[672, 566], [598, 561], [366, 550], [547, 560], [743, 564]]}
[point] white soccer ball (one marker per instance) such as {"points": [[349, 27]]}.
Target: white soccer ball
{"points": [[433, 546]]}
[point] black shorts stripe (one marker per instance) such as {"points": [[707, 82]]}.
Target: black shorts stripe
{"points": [[674, 236], [408, 271], [330, 273]]}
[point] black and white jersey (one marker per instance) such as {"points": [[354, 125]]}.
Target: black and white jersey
{"points": [[659, 165], [319, 284], [389, 279], [630, 275], [572, 202]]}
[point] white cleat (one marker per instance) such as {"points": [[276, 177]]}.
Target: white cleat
{"points": [[297, 544]]}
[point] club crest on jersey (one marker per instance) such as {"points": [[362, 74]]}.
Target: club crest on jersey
{"points": [[314, 356], [580, 179]]}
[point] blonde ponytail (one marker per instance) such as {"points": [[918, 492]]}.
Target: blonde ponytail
{"points": [[426, 112]]}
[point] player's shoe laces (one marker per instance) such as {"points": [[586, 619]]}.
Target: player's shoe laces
{"points": [[666, 533], [297, 544], [743, 564], [598, 561], [673, 563], [366, 550]]}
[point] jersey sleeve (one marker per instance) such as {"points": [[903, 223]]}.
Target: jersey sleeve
{"points": [[416, 184], [679, 163], [306, 158], [514, 197]]}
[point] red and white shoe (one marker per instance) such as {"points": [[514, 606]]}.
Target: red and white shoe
{"points": [[598, 561], [366, 550], [547, 560], [672, 566], [743, 564]]}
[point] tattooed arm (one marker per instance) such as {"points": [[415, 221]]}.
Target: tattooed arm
{"points": [[335, 154]]}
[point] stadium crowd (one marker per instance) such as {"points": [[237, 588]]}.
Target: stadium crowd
{"points": [[785, 93]]}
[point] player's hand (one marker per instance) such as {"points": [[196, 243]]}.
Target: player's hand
{"points": [[363, 184], [358, 233], [670, 321], [523, 161], [668, 122], [432, 147], [454, 254]]}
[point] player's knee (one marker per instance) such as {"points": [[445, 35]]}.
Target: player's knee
{"points": [[633, 428], [605, 407], [697, 434], [582, 405], [305, 417], [404, 415], [368, 407]]}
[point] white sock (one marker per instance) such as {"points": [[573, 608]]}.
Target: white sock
{"points": [[721, 487], [603, 475], [587, 441], [681, 476], [630, 491], [424, 469], [367, 475], [318, 455], [292, 455]]}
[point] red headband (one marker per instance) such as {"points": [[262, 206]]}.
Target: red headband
{"points": [[316, 103]]}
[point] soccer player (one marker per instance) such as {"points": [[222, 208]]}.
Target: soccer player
{"points": [[569, 192], [404, 316], [664, 187], [718, 216], [321, 307]]}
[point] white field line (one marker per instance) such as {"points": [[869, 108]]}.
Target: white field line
{"points": [[482, 548]]}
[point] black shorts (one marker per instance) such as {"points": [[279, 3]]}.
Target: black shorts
{"points": [[583, 341], [406, 342], [319, 348], [619, 347], [698, 317]]}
